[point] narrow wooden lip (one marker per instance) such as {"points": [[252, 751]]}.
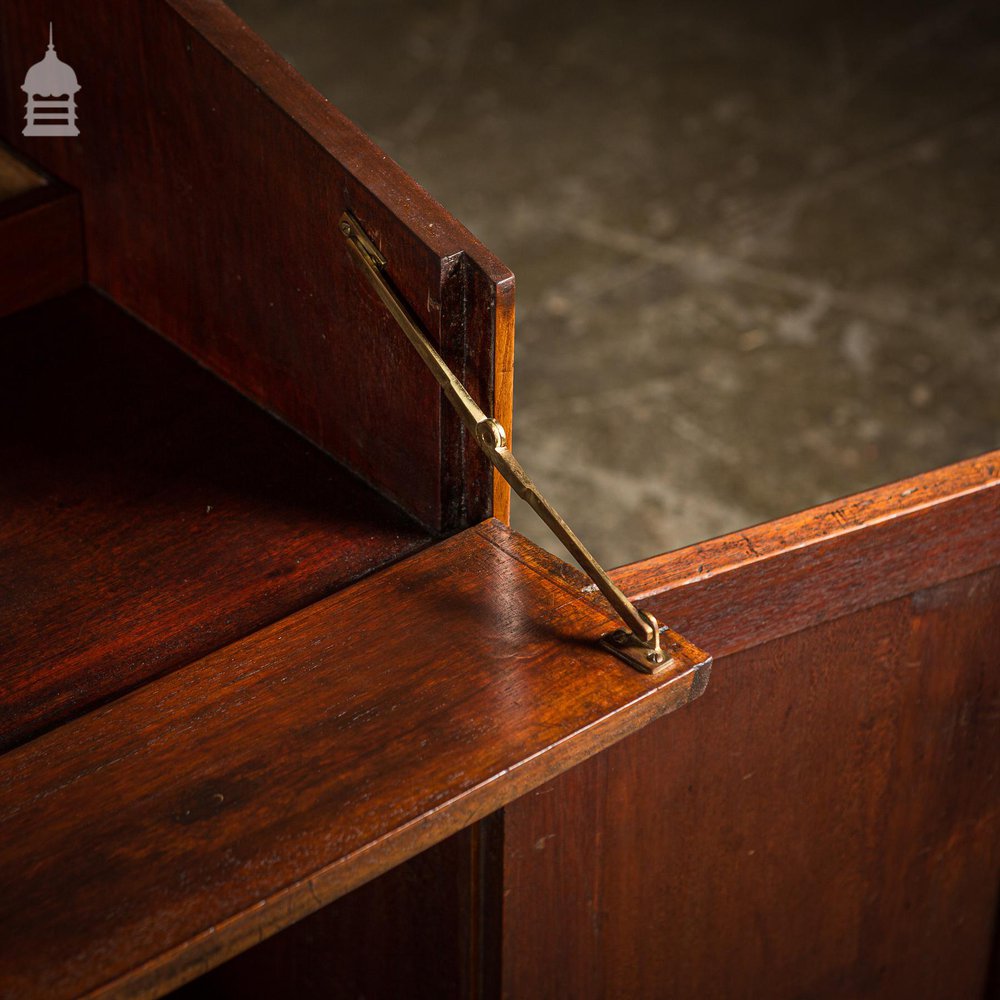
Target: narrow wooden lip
{"points": [[680, 568]]}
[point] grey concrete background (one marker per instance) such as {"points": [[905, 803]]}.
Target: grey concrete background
{"points": [[756, 245]]}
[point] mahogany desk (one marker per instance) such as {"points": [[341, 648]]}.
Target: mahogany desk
{"points": [[287, 710]]}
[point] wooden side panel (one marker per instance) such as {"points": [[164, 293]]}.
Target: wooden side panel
{"points": [[213, 178], [825, 822]]}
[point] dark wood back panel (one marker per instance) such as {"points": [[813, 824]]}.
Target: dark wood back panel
{"points": [[212, 179], [824, 822]]}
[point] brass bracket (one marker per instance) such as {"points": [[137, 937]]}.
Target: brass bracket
{"points": [[640, 644]]}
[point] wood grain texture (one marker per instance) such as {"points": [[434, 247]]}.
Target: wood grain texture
{"points": [[797, 762], [213, 177], [767, 581], [150, 513], [824, 822], [41, 246], [209, 809]]}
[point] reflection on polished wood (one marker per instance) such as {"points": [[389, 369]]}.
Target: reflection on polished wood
{"points": [[269, 701], [181, 823]]}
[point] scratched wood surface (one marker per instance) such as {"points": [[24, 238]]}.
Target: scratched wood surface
{"points": [[824, 822], [213, 177], [210, 808], [150, 513]]}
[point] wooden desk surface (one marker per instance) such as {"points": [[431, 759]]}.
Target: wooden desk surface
{"points": [[149, 840]]}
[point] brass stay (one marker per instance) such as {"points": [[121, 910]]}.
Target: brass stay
{"points": [[640, 644]]}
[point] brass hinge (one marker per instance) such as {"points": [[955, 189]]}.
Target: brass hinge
{"points": [[640, 644]]}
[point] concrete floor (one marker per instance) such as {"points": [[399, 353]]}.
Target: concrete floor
{"points": [[756, 246]]}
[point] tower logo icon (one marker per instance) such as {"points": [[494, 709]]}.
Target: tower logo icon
{"points": [[51, 87]]}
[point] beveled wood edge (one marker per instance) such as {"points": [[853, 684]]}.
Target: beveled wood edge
{"points": [[228, 938], [726, 553], [503, 386], [830, 560], [183, 962]]}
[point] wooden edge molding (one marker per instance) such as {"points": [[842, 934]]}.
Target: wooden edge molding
{"points": [[150, 840], [776, 578]]}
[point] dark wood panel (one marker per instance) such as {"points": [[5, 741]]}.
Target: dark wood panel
{"points": [[150, 513], [824, 822], [767, 581], [207, 810], [414, 932], [213, 178], [41, 245]]}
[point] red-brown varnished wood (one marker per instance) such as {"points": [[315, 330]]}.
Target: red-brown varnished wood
{"points": [[824, 822], [213, 178], [151, 839], [754, 585], [150, 514], [41, 244]]}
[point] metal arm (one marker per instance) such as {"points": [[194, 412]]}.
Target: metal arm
{"points": [[643, 629]]}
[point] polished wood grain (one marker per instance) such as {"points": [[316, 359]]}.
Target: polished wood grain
{"points": [[41, 245], [213, 178], [150, 513], [824, 822], [151, 839]]}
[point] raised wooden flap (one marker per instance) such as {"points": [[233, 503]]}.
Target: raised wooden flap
{"points": [[212, 179]]}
